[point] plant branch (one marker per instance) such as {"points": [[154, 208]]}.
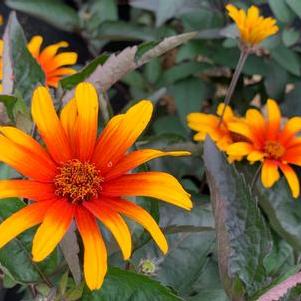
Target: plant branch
{"points": [[241, 62]]}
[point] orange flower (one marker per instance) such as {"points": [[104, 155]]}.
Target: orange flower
{"points": [[269, 142], [208, 124], [53, 64], [79, 176], [252, 27]]}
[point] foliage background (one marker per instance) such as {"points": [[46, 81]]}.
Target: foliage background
{"points": [[254, 234]]}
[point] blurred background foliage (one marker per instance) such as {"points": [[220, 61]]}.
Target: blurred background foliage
{"points": [[258, 246]]}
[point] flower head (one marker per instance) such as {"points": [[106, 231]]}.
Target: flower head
{"points": [[267, 141], [79, 177], [52, 63], [252, 27], [209, 124]]}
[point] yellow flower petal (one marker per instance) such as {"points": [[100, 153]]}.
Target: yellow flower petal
{"points": [[269, 173], [34, 45], [87, 119], [22, 220], [158, 185], [68, 119], [55, 224], [255, 156], [274, 118], [291, 178], [95, 253], [115, 223], [49, 126], [121, 135], [239, 149], [143, 218], [136, 158]]}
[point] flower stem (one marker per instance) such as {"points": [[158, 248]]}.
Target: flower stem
{"points": [[240, 64]]}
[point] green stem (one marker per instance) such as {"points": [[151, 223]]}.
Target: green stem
{"points": [[241, 62]]}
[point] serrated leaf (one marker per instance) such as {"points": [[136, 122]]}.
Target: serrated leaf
{"points": [[244, 240], [281, 289], [121, 285], [55, 12], [282, 210], [21, 71], [118, 65], [71, 81]]}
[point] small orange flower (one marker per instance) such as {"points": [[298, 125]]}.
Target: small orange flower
{"points": [[208, 124], [267, 141], [83, 178], [53, 64], [252, 27]]}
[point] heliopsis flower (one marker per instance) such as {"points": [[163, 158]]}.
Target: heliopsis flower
{"points": [[252, 27], [52, 63], [83, 178], [209, 124], [267, 141]]}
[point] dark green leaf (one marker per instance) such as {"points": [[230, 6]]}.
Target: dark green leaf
{"points": [[169, 125], [55, 12], [201, 19], [189, 95], [282, 210], [153, 70], [287, 59], [71, 81], [25, 71], [292, 105], [123, 285], [281, 10], [95, 12], [275, 80], [165, 10], [191, 239], [244, 240], [9, 102], [15, 257], [182, 70], [295, 5], [290, 36]]}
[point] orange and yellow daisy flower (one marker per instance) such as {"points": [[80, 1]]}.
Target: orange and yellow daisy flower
{"points": [[52, 63], [209, 124], [80, 177], [267, 141], [252, 27]]}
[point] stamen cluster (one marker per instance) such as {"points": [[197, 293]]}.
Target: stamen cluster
{"points": [[78, 181]]}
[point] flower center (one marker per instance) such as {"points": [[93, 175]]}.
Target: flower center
{"points": [[274, 149], [78, 181]]}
